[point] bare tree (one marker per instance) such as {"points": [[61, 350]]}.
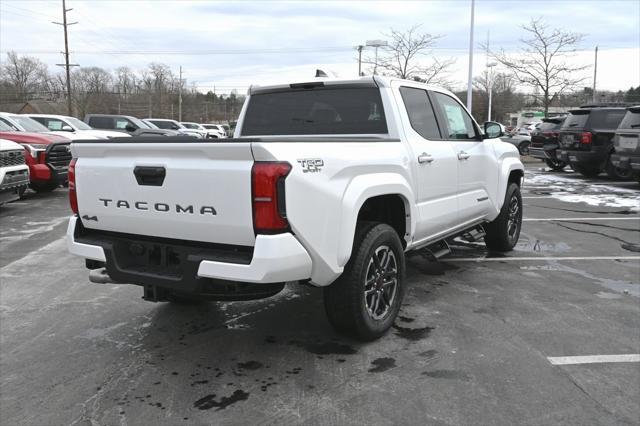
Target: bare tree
{"points": [[409, 56], [543, 61], [24, 74]]}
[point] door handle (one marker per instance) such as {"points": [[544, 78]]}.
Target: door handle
{"points": [[425, 158], [463, 155]]}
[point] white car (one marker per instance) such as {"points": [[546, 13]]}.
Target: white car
{"points": [[67, 126], [211, 133], [24, 123], [14, 173], [168, 124], [216, 127], [331, 193]]}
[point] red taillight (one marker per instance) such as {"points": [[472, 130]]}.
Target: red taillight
{"points": [[585, 138], [267, 181], [73, 197]]}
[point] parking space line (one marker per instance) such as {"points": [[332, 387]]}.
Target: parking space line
{"points": [[576, 219], [528, 258], [592, 359]]}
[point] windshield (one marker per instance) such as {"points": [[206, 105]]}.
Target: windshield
{"points": [[316, 112], [80, 125], [4, 127], [29, 124], [631, 120], [209, 126], [190, 125], [148, 125]]}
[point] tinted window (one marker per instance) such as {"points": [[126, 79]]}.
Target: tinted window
{"points": [[631, 120], [576, 120], [458, 124], [101, 122], [606, 119], [420, 111], [549, 125], [163, 124], [316, 112]]}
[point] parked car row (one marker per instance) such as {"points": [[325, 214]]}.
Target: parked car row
{"points": [[154, 126], [592, 139], [44, 143]]}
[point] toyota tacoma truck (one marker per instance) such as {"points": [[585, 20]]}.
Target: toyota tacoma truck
{"points": [[329, 183], [14, 173]]}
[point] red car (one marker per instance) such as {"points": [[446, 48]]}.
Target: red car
{"points": [[48, 157]]}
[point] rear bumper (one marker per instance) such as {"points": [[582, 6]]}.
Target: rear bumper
{"points": [[593, 159], [274, 259], [626, 161]]}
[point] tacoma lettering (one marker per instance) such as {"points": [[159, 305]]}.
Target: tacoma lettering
{"points": [[159, 207]]}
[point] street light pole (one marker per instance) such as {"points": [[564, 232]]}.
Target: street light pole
{"points": [[360, 47], [469, 85], [490, 86]]}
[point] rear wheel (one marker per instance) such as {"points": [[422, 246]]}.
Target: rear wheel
{"points": [[617, 173], [555, 165], [43, 187], [589, 172], [502, 234], [365, 300]]}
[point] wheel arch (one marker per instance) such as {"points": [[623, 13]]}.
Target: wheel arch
{"points": [[376, 197]]}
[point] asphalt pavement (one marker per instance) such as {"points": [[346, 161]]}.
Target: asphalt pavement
{"points": [[480, 340]]}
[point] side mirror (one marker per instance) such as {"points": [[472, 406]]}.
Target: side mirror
{"points": [[492, 130], [130, 128], [66, 128]]}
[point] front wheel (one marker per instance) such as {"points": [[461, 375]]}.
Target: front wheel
{"points": [[364, 302], [523, 148], [502, 234], [555, 165]]}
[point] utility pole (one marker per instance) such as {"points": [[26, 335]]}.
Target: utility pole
{"points": [[360, 47], [595, 74], [376, 44], [66, 64], [469, 82], [180, 96]]}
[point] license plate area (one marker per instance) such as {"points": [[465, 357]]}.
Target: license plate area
{"points": [[143, 257], [628, 142]]}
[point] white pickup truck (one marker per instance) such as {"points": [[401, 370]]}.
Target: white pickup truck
{"points": [[328, 182]]}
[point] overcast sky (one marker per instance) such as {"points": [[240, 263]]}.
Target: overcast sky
{"points": [[232, 44]]}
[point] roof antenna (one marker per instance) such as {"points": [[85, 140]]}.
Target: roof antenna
{"points": [[320, 73]]}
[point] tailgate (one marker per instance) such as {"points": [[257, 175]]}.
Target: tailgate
{"points": [[188, 191]]}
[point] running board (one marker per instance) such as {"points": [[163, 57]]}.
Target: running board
{"points": [[474, 234], [435, 251]]}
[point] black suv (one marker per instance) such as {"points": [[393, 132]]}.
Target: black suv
{"points": [[627, 143], [544, 142], [586, 140]]}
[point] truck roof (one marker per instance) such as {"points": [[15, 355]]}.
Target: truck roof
{"points": [[365, 81]]}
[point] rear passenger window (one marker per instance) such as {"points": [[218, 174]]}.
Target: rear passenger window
{"points": [[603, 119], [420, 112], [101, 122], [458, 124]]}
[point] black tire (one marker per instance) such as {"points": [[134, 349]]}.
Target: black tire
{"points": [[349, 310], [502, 234], [43, 187], [617, 173], [588, 172], [21, 192], [523, 148], [555, 165]]}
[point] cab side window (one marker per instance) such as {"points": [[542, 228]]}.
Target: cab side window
{"points": [[54, 124], [458, 124], [420, 112]]}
